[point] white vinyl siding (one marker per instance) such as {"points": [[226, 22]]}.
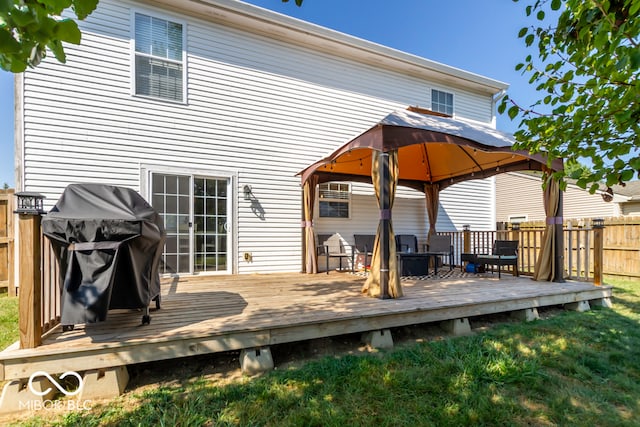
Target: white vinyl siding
{"points": [[258, 109], [520, 194]]}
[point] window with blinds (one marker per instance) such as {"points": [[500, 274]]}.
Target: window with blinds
{"points": [[159, 68], [442, 102], [334, 200]]}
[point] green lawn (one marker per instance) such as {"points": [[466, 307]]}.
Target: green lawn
{"points": [[571, 369], [8, 320]]}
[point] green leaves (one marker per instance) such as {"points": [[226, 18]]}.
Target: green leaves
{"points": [[513, 112], [67, 31], [83, 8], [587, 70], [28, 28]]}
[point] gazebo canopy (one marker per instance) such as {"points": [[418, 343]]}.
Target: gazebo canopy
{"points": [[431, 149], [428, 153]]}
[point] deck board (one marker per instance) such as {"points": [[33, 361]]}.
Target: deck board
{"points": [[220, 313]]}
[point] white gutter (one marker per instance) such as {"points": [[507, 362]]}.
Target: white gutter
{"points": [[295, 31]]}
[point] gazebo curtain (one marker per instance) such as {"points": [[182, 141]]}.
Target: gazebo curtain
{"points": [[545, 268], [309, 247], [372, 285], [432, 193]]}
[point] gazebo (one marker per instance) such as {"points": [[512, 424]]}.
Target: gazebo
{"points": [[426, 152]]}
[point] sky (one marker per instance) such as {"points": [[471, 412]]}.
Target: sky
{"points": [[476, 36]]}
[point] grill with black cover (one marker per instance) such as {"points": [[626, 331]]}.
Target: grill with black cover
{"points": [[108, 241]]}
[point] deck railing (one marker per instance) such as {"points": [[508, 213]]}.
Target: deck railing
{"points": [[50, 286], [578, 248], [40, 275]]}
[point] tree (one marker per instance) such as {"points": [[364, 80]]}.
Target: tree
{"points": [[587, 69], [29, 27]]}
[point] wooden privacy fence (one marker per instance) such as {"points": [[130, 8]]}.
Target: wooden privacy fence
{"points": [[620, 247], [7, 204]]}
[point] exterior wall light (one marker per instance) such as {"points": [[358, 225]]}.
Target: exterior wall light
{"points": [[248, 194], [29, 203]]}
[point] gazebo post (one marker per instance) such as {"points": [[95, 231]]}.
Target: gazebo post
{"points": [[385, 217], [559, 242]]}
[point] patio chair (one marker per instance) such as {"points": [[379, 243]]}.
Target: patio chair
{"points": [[504, 252], [441, 247], [406, 243], [330, 245], [363, 245]]}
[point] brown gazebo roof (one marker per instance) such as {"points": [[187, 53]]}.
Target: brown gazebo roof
{"points": [[431, 149]]}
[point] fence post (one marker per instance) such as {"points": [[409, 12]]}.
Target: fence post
{"points": [[598, 249], [29, 209]]}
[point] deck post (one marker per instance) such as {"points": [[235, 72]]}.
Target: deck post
{"points": [[29, 209], [598, 249], [466, 239]]}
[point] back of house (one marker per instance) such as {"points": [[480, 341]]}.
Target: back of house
{"points": [[209, 109]]}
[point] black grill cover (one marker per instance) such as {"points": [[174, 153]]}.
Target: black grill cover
{"points": [[108, 241]]}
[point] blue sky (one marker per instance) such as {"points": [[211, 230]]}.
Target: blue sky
{"points": [[477, 36]]}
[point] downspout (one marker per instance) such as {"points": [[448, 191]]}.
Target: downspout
{"points": [[494, 101]]}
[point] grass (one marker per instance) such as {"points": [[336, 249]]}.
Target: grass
{"points": [[8, 320], [571, 369]]}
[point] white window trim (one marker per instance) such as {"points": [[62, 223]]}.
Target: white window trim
{"points": [[522, 218], [145, 190], [349, 201], [132, 50], [453, 99]]}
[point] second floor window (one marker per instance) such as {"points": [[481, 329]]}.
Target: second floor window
{"points": [[442, 102], [159, 68], [334, 200]]}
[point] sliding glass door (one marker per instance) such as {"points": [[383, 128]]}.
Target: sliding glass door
{"points": [[195, 211]]}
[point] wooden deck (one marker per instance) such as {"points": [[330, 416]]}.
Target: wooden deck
{"points": [[221, 313]]}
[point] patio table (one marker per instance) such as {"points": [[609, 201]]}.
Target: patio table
{"points": [[413, 263], [417, 263]]}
